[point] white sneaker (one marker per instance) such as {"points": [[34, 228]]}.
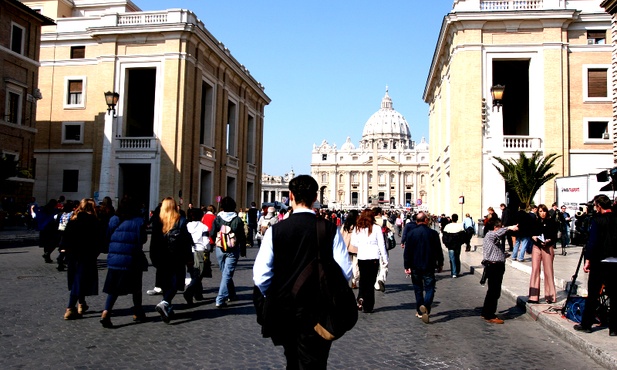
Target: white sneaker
{"points": [[154, 291], [163, 309]]}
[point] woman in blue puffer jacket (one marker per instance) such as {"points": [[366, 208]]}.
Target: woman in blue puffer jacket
{"points": [[126, 260]]}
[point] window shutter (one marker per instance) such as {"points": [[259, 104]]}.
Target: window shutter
{"points": [[596, 83], [75, 86]]}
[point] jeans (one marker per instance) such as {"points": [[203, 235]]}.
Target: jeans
{"points": [[455, 260], [227, 264], [519, 247], [424, 288]]}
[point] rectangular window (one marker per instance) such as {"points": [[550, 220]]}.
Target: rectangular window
{"points": [[596, 130], [72, 132], [324, 157], [251, 140], [70, 181], [231, 129], [78, 52], [13, 107], [207, 114], [597, 37], [596, 83], [17, 38], [75, 92]]}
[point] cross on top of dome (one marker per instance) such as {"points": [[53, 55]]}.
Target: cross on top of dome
{"points": [[386, 102]]}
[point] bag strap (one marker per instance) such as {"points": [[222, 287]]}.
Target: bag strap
{"points": [[310, 268]]}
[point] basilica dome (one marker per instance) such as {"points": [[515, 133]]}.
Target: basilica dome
{"points": [[386, 123]]}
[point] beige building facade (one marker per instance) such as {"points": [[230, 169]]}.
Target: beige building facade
{"points": [[553, 57], [387, 168], [189, 117]]}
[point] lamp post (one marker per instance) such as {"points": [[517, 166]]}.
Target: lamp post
{"points": [[497, 95], [107, 181]]}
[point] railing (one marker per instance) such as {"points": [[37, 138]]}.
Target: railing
{"points": [[521, 143], [136, 143], [142, 18], [511, 4]]}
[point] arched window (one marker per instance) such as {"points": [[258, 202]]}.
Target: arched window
{"points": [[324, 177]]}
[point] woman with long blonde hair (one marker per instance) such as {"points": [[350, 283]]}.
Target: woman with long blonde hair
{"points": [[80, 241], [170, 252]]}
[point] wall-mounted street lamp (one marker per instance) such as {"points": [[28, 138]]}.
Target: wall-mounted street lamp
{"points": [[497, 95], [111, 99]]}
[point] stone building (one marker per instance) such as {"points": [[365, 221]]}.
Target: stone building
{"points": [[611, 8], [20, 38], [553, 57], [186, 118], [387, 167], [275, 188]]}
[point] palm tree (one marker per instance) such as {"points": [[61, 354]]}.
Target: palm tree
{"points": [[526, 175]]}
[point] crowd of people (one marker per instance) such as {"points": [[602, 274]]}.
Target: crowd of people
{"points": [[181, 243]]}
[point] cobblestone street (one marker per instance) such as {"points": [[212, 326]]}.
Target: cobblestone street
{"points": [[34, 334]]}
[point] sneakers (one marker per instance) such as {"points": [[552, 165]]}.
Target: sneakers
{"points": [[582, 329], [163, 309], [221, 305], [154, 291], [495, 320], [82, 308], [425, 314], [360, 303], [454, 276], [71, 314]]}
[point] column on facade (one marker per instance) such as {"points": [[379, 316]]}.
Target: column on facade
{"points": [[348, 188], [387, 192]]}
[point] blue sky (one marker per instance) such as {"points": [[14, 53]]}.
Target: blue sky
{"points": [[325, 64]]}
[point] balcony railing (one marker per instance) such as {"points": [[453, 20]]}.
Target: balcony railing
{"points": [[136, 147], [511, 4], [521, 143]]}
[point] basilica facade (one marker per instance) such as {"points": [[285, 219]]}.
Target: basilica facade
{"points": [[387, 167]]}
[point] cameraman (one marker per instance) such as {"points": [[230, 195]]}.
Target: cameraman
{"points": [[600, 263]]}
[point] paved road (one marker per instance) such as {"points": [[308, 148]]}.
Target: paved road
{"points": [[33, 334]]}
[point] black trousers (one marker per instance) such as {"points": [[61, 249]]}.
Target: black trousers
{"points": [[366, 290], [306, 351], [494, 276], [601, 273]]}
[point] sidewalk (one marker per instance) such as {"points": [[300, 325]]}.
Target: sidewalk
{"points": [[18, 236], [598, 345]]}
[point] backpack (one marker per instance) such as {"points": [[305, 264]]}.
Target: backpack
{"points": [[263, 226], [388, 236], [225, 238], [574, 308], [174, 238]]}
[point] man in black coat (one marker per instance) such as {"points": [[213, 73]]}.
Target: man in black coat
{"points": [[601, 264], [421, 257], [286, 249]]}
